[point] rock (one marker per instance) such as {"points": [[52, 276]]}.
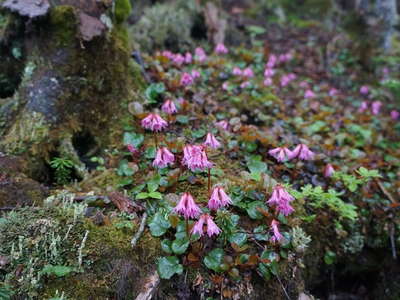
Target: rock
{"points": [[171, 198], [136, 108]]}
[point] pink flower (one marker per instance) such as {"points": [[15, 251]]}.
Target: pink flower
{"points": [[364, 90], [163, 158], [394, 114], [281, 154], [154, 122], [200, 54], [376, 107], [187, 207], [292, 76], [237, 71], [169, 107], [281, 199], [269, 72], [225, 85], [167, 54], [178, 59], [212, 228], [248, 72], [132, 149], [302, 152], [277, 236], [186, 79], [328, 170], [218, 199], [363, 107], [271, 61], [195, 158], [285, 80], [195, 74], [333, 92], [282, 58], [303, 84], [211, 141], [268, 81], [222, 124], [245, 84], [309, 94], [188, 58], [221, 49]]}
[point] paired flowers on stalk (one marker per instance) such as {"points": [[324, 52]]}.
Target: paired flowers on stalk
{"points": [[282, 154]]}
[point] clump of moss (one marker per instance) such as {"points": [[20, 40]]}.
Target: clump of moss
{"points": [[123, 9], [63, 21]]}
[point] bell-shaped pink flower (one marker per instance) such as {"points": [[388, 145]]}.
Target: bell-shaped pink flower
{"points": [[268, 81], [364, 90], [269, 72], [237, 71], [292, 76], [309, 94], [211, 141], [200, 54], [302, 152], [225, 85], [188, 58], [376, 107], [245, 84], [163, 158], [271, 61], [281, 199], [328, 171], [218, 199], [154, 122], [178, 59], [187, 207], [195, 158], [303, 84], [285, 80], [167, 54], [186, 79], [222, 124], [195, 74], [221, 49], [394, 114], [212, 228], [248, 72], [277, 236], [363, 107], [281, 154], [169, 107], [333, 92]]}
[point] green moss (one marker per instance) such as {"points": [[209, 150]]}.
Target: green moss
{"points": [[123, 10], [63, 22]]}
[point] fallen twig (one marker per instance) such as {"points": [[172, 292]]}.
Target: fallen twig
{"points": [[140, 231], [150, 287], [385, 191]]}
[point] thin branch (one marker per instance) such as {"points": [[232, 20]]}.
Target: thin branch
{"points": [[136, 237], [385, 191]]}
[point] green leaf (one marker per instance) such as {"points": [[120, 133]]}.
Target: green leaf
{"points": [[182, 119], [159, 225], [252, 210], [263, 268], [134, 139], [153, 90], [150, 152], [124, 169], [166, 246], [260, 233], [155, 195], [179, 246], [213, 260], [168, 267], [152, 186], [254, 29], [239, 238], [5, 293], [329, 257], [142, 195], [197, 134], [59, 271]]}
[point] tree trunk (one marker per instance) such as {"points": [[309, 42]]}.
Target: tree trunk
{"points": [[67, 80]]}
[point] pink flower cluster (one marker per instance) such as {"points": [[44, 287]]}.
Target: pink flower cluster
{"points": [[218, 199], [281, 200], [211, 141], [154, 122], [277, 236], [169, 107], [163, 158], [178, 59], [221, 49], [200, 54], [195, 158], [212, 228], [286, 79], [187, 207], [301, 151], [375, 107]]}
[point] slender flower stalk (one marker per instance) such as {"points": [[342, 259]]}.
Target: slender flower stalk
{"points": [[163, 158], [277, 236], [302, 152], [211, 141], [218, 199], [281, 154], [212, 228]]}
